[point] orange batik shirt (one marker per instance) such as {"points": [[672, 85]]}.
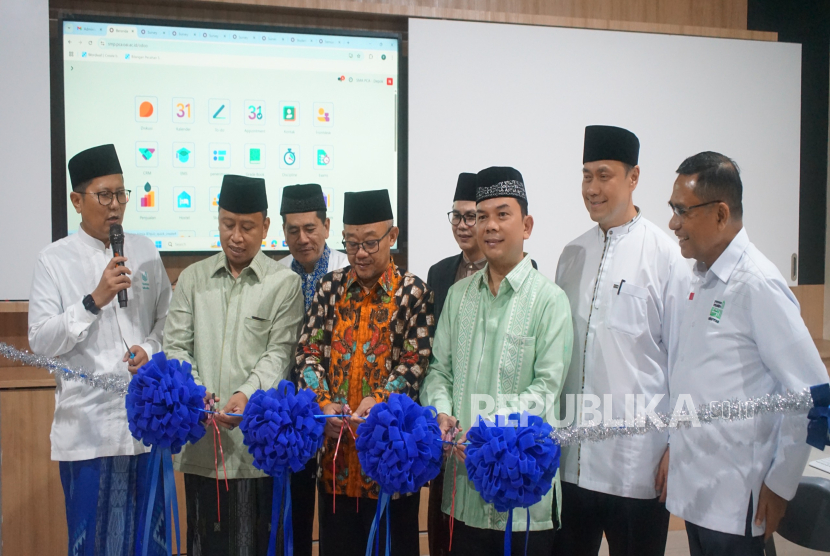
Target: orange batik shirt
{"points": [[358, 344]]}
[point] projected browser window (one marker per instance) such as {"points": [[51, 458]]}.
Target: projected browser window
{"points": [[185, 106]]}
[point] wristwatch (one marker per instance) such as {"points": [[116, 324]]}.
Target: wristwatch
{"points": [[89, 305]]}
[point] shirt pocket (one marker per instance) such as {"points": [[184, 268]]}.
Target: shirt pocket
{"points": [[519, 355], [628, 313], [255, 335]]}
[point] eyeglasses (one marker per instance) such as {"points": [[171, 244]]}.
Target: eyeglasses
{"points": [[370, 246], [681, 212], [455, 218], [106, 197]]}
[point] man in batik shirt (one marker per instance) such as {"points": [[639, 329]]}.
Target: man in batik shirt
{"points": [[368, 334]]}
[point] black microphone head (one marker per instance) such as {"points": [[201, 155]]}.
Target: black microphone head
{"points": [[116, 234]]}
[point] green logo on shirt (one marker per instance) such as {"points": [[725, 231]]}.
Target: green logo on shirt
{"points": [[716, 313]]}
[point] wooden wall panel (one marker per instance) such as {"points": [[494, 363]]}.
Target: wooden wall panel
{"points": [[34, 521], [811, 299], [14, 331], [714, 18], [727, 14]]}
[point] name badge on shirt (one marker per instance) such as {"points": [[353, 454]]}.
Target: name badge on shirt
{"points": [[716, 313]]}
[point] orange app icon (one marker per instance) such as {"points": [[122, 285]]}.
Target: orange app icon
{"points": [[146, 109]]}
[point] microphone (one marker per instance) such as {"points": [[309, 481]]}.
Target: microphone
{"points": [[117, 244]]}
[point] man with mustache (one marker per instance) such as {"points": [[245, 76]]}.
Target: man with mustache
{"points": [[368, 334], [505, 336], [626, 282], [462, 217], [306, 229], [742, 336], [73, 315], [235, 317]]}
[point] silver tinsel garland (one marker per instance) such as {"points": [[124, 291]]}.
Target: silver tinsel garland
{"points": [[730, 410], [108, 382]]}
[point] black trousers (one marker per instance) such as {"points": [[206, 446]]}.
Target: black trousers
{"points": [[346, 531], [438, 523], [632, 526], [471, 541], [705, 542], [303, 499], [241, 528]]}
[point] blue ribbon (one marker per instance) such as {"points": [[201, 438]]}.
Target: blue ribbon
{"points": [[153, 471], [374, 533], [287, 520], [276, 498], [161, 468], [817, 429], [170, 499], [508, 533], [527, 531], [281, 501]]}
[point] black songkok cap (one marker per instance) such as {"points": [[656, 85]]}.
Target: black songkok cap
{"points": [[93, 163], [500, 181], [605, 142], [307, 197], [367, 207], [465, 189], [243, 195]]}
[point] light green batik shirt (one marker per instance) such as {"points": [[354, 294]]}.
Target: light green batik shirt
{"points": [[514, 347], [240, 335]]}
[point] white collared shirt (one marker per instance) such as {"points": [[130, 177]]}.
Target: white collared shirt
{"points": [[337, 260], [91, 423], [742, 336], [626, 290]]}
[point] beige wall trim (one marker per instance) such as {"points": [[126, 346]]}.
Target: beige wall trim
{"points": [[434, 12]]}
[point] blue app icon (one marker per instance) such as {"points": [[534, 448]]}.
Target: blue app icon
{"points": [[184, 200]]}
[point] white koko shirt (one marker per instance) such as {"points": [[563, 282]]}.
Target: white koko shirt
{"points": [[621, 346], [91, 423], [742, 336]]}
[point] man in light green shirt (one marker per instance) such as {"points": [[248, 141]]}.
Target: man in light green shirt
{"points": [[235, 317], [503, 345]]}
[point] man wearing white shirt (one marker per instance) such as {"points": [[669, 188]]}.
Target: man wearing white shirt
{"points": [[742, 336], [73, 315], [626, 282]]}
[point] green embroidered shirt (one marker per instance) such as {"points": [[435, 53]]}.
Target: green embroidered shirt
{"points": [[514, 349]]}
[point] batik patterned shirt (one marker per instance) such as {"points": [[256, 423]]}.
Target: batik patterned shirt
{"points": [[359, 344]]}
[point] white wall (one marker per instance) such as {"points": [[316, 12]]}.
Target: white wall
{"points": [[495, 94], [25, 152]]}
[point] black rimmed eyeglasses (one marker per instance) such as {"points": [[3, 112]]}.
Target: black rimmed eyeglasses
{"points": [[681, 211], [455, 218], [370, 245], [106, 197]]}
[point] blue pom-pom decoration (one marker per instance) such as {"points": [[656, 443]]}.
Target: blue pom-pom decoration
{"points": [[163, 404], [280, 429], [399, 445], [512, 466]]}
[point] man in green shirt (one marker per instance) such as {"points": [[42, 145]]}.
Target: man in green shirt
{"points": [[502, 346], [235, 317]]}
